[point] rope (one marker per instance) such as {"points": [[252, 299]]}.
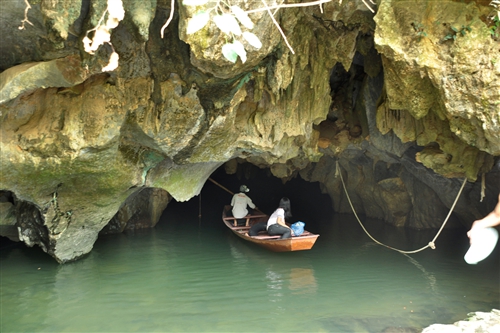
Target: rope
{"points": [[483, 186], [431, 244]]}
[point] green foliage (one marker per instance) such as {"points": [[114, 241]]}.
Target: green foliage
{"points": [[197, 22], [231, 51], [495, 28], [227, 24], [457, 32], [228, 19], [419, 30]]}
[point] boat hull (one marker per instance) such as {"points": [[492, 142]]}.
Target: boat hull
{"points": [[273, 243]]}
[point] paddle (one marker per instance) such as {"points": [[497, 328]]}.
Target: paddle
{"points": [[222, 187]]}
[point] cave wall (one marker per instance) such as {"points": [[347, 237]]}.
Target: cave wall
{"points": [[406, 116]]}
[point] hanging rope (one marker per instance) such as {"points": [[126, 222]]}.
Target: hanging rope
{"points": [[483, 186], [430, 244], [199, 206]]}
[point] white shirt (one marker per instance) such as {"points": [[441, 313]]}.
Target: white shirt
{"points": [[239, 203], [280, 212]]}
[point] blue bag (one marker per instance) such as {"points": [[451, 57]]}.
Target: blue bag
{"points": [[298, 228]]}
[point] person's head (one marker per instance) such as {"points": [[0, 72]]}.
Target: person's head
{"points": [[244, 189], [285, 204]]}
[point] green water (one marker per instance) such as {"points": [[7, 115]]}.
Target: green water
{"points": [[188, 275]]}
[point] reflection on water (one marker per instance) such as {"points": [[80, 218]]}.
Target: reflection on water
{"points": [[299, 280], [192, 277], [428, 275], [302, 281]]}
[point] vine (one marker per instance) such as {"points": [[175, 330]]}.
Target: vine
{"points": [[457, 32], [419, 30], [230, 19], [495, 28], [25, 20]]}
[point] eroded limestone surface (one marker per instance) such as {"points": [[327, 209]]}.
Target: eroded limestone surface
{"points": [[406, 116]]}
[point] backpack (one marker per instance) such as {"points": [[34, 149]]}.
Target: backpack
{"points": [[298, 228]]}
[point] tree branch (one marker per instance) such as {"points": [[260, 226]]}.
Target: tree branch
{"points": [[367, 6], [289, 5], [278, 26]]}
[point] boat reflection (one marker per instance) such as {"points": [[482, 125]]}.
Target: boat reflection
{"points": [[297, 276], [299, 281], [302, 281]]}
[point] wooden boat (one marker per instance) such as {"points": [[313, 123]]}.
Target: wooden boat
{"points": [[296, 243]]}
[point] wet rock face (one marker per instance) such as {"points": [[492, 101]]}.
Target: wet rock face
{"points": [[86, 151], [8, 217], [141, 210], [450, 73], [476, 322], [37, 41]]}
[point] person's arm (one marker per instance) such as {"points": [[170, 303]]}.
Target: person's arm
{"points": [[490, 220], [281, 221], [250, 203]]}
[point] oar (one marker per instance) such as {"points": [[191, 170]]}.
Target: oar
{"points": [[222, 187]]}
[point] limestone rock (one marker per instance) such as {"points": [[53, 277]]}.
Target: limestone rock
{"points": [[206, 45], [476, 322], [141, 14], [141, 210], [457, 79], [25, 42], [8, 217], [26, 78], [62, 24], [80, 146], [396, 198]]}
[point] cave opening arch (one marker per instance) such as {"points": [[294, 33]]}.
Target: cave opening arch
{"points": [[309, 203]]}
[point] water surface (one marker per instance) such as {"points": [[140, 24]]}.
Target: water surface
{"points": [[192, 275]]}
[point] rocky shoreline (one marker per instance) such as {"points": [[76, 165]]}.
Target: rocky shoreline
{"points": [[477, 322]]}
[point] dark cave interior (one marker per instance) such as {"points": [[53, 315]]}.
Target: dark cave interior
{"points": [[266, 190]]}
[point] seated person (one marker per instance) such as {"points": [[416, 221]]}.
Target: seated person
{"points": [[256, 228], [240, 202], [276, 224]]}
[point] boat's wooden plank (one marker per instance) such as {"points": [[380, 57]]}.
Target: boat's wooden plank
{"points": [[242, 227], [266, 237], [245, 217], [278, 236], [262, 234], [296, 243], [241, 231]]}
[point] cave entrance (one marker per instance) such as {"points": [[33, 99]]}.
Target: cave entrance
{"points": [[8, 229], [309, 204]]}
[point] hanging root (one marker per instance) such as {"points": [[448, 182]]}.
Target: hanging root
{"points": [[172, 3], [25, 20]]}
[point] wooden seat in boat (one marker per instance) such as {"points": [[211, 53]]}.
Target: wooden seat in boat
{"points": [[248, 218]]}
